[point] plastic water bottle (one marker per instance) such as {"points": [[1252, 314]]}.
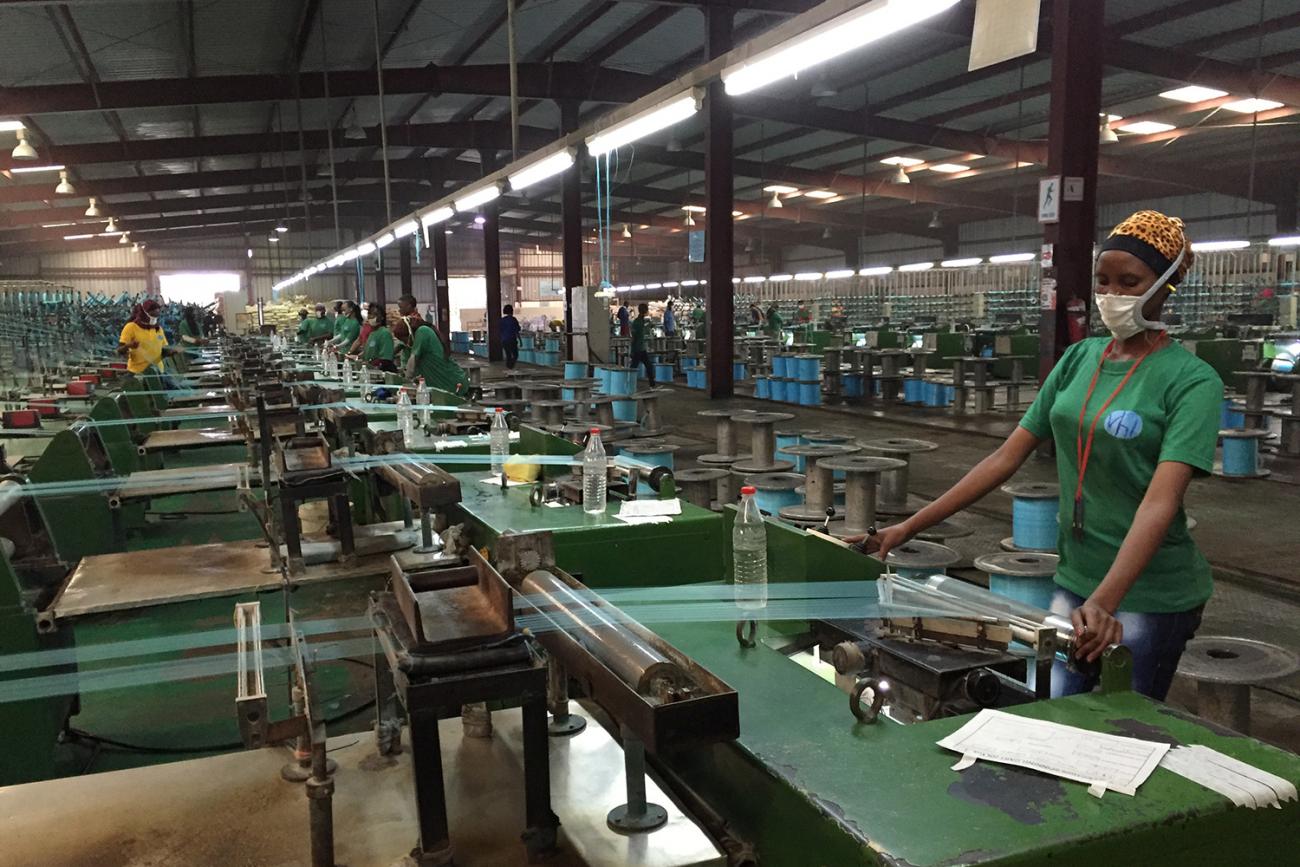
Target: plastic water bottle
{"points": [[595, 472], [405, 416], [499, 442], [365, 375], [347, 372], [422, 399], [749, 553]]}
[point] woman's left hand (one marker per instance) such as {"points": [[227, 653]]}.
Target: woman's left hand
{"points": [[1095, 629]]}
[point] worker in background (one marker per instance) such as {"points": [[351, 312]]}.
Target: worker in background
{"points": [[624, 329], [670, 321], [699, 320], [430, 358], [304, 326], [755, 314], [322, 329], [639, 355], [359, 345], [347, 327], [191, 333], [336, 320], [1134, 417], [802, 316], [408, 321], [378, 348], [144, 345], [774, 322], [509, 332]]}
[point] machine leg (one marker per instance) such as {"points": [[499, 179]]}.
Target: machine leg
{"points": [[343, 526], [539, 836], [434, 848], [388, 721], [292, 533], [637, 815], [320, 804], [557, 689], [426, 533]]}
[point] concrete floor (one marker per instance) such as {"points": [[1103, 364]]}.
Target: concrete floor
{"points": [[1257, 593]]}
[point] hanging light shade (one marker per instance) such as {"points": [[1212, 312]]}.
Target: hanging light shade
{"points": [[354, 131], [749, 245], [93, 209], [124, 239], [690, 220], [900, 177], [776, 201], [1108, 135], [23, 150], [935, 222], [65, 187], [826, 233], [273, 238], [111, 227], [282, 226], [627, 231]]}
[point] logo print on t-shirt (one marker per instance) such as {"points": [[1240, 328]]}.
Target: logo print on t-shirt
{"points": [[1123, 424]]}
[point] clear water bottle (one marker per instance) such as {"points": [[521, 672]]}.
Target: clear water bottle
{"points": [[749, 553], [365, 375], [499, 441], [595, 475], [405, 416], [347, 372], [422, 399]]}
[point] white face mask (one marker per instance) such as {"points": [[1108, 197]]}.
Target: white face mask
{"points": [[1122, 314], [153, 320]]}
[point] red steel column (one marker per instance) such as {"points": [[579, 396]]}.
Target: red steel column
{"points": [[719, 199]]}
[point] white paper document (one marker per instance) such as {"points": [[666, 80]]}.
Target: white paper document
{"points": [[643, 519], [495, 479], [1101, 761], [1245, 785], [649, 508]]}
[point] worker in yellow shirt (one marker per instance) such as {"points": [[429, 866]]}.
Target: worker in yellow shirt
{"points": [[144, 344]]}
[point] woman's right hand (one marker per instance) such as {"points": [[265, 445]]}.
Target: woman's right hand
{"points": [[884, 540]]}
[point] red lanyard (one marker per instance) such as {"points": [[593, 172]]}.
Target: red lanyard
{"points": [[1083, 450]]}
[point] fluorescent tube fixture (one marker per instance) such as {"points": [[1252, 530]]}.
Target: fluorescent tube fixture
{"points": [[917, 266], [820, 194], [735, 279], [755, 279], [366, 248], [654, 285], [781, 278], [808, 276], [1219, 246], [385, 239], [539, 171], [1287, 241], [11, 125], [637, 287], [349, 255], [1193, 93], [905, 162], [23, 170], [437, 215], [840, 35], [690, 283], [407, 228], [961, 263], [1008, 258], [670, 284], [1250, 106], [1147, 127], [336, 261], [646, 123], [77, 237], [839, 275], [878, 271], [477, 198], [698, 209], [949, 168]]}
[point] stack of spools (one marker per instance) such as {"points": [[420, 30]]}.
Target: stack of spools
{"points": [[781, 376], [551, 354], [808, 375]]}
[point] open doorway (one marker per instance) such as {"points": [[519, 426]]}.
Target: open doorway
{"points": [[198, 287]]}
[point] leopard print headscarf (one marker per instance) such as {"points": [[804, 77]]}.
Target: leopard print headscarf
{"points": [[1156, 239]]}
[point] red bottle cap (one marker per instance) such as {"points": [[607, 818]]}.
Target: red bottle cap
{"points": [[748, 490]]}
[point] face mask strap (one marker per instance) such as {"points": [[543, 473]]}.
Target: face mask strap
{"points": [[1138, 317]]}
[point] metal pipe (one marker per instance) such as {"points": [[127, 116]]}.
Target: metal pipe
{"points": [[595, 625]]}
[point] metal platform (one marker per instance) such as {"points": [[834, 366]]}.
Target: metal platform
{"points": [[235, 809], [176, 440]]}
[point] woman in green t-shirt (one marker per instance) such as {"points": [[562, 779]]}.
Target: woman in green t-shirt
{"points": [[346, 327], [1134, 417], [378, 351], [430, 358]]}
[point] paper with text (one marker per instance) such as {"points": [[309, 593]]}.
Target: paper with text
{"points": [[649, 508], [1243, 784]]}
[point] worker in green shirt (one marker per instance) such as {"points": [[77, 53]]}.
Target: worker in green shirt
{"points": [[322, 329], [1134, 418], [347, 326], [639, 355], [774, 322], [304, 326], [378, 351], [430, 358], [699, 321]]}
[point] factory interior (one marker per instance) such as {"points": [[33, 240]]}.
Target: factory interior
{"points": [[663, 433]]}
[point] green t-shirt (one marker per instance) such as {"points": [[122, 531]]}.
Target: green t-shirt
{"points": [[304, 329], [336, 323], [1168, 411], [432, 363], [379, 346], [346, 333], [320, 327], [774, 322], [638, 334]]}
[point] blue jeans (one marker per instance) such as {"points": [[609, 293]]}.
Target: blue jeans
{"points": [[1156, 641]]}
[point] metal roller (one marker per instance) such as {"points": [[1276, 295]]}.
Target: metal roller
{"points": [[601, 629], [11, 493], [994, 604]]}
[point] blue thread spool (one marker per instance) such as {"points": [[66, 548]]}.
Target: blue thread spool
{"points": [[775, 491], [651, 454], [622, 380], [602, 374], [663, 372], [851, 383], [919, 560], [695, 378], [552, 344], [808, 367], [737, 370], [1035, 516], [688, 362], [777, 388], [1241, 454], [762, 388], [780, 365], [793, 437], [810, 393], [1024, 576], [913, 391], [625, 410], [1233, 416], [575, 370]]}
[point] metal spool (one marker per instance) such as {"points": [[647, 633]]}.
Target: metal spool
{"points": [[1024, 576], [774, 491], [819, 485], [916, 559], [699, 485], [894, 497], [1035, 516], [1241, 454], [862, 475], [1224, 668], [762, 443]]}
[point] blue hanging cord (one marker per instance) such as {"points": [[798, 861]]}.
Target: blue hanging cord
{"points": [[418, 244], [361, 280]]}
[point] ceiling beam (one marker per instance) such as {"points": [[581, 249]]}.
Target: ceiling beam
{"points": [[1190, 68]]}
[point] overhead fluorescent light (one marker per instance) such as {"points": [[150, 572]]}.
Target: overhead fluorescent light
{"points": [[780, 189], [1286, 241], [878, 271], [840, 275], [547, 167], [637, 287], [648, 122], [1008, 258], [755, 279], [949, 168], [407, 228], [11, 125], [1252, 105], [654, 285], [905, 162], [808, 276], [25, 170], [961, 263], [1193, 93], [336, 261], [385, 239], [1146, 127], [670, 284], [57, 225], [820, 194], [697, 209], [77, 237], [477, 198], [781, 278], [840, 35], [437, 215], [690, 283], [366, 248], [917, 266], [1219, 246], [350, 254], [735, 279]]}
